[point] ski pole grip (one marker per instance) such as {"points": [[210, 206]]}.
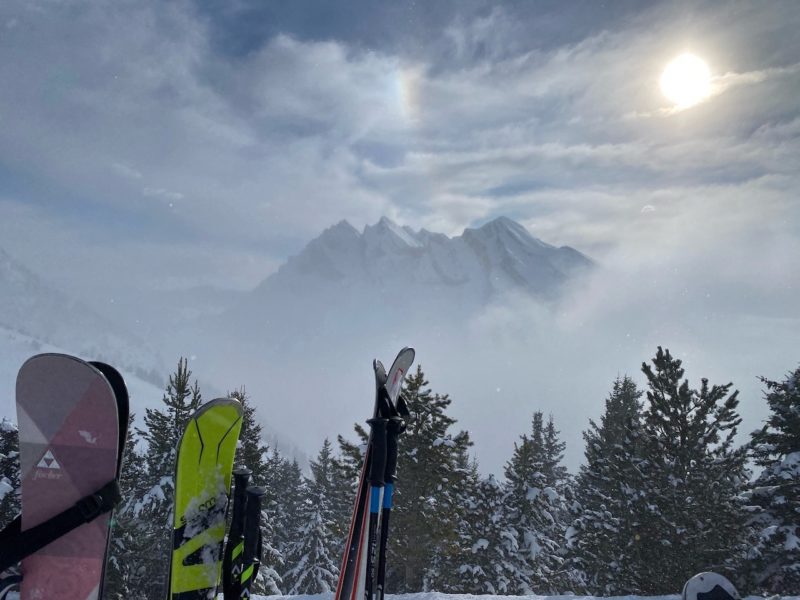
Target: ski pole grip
{"points": [[241, 474], [393, 429], [232, 566], [377, 467], [241, 477], [252, 524]]}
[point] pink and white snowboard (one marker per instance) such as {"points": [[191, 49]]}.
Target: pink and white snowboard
{"points": [[69, 432]]}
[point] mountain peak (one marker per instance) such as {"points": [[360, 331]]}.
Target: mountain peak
{"points": [[502, 221], [386, 231], [342, 227], [504, 229], [498, 256]]}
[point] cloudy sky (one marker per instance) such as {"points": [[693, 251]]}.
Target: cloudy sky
{"points": [[202, 143]]}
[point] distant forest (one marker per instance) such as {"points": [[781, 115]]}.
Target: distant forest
{"points": [[664, 493]]}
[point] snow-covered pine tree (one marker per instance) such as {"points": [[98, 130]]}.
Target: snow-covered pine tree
{"points": [[9, 472], [341, 497], [285, 497], [311, 556], [692, 516], [565, 511], [553, 448], [774, 560], [603, 537], [253, 453], [488, 544], [453, 556], [162, 432], [124, 569], [533, 510]]}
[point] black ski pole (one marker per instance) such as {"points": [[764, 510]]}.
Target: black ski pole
{"points": [[394, 428], [232, 559], [377, 471], [252, 539]]}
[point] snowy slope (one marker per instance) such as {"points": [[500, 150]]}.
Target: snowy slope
{"points": [[44, 315], [16, 348]]}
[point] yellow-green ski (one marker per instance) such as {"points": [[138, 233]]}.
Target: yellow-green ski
{"points": [[202, 489]]}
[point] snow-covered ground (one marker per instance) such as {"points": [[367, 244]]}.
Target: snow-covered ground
{"points": [[438, 596]]}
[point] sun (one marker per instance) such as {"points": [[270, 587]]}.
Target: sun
{"points": [[686, 81]]}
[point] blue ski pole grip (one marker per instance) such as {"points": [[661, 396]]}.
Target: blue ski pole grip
{"points": [[388, 491], [377, 467], [375, 500]]}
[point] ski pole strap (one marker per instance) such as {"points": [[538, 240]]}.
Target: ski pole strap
{"points": [[402, 407], [19, 544]]}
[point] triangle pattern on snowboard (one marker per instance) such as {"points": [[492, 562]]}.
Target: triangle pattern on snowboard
{"points": [[48, 461]]}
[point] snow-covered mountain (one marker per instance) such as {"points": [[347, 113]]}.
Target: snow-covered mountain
{"points": [[498, 257], [389, 274], [46, 316]]}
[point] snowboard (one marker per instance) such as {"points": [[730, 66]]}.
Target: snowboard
{"points": [[202, 488], [72, 427], [352, 576]]}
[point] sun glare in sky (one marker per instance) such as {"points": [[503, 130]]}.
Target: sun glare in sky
{"points": [[686, 81]]}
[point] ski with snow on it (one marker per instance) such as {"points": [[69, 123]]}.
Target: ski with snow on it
{"points": [[357, 575], [73, 422], [202, 485]]}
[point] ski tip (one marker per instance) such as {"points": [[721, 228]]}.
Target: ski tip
{"points": [[216, 402], [406, 355], [380, 372]]}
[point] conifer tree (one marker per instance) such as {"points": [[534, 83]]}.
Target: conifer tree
{"points": [[9, 472], [555, 473], [127, 547], [603, 537], [311, 556], [493, 567], [287, 500], [534, 507], [251, 451], [485, 564], [163, 430], [691, 514], [433, 465], [775, 495], [454, 554]]}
